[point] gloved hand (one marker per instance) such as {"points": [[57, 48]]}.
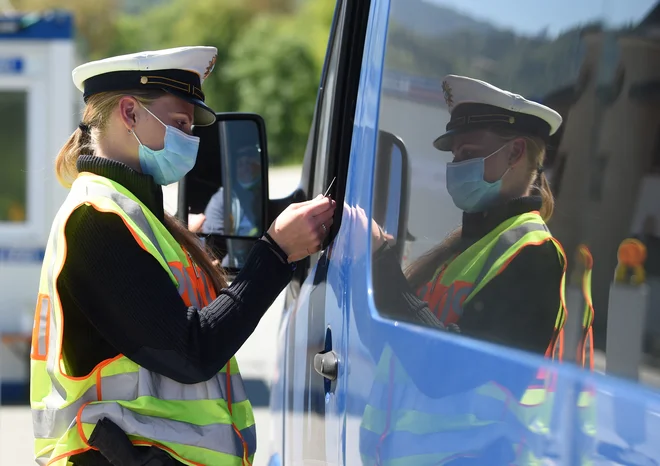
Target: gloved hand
{"points": [[116, 447]]}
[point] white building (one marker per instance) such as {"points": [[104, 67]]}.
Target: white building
{"points": [[38, 112]]}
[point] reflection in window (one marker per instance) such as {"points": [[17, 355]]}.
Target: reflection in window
{"points": [[13, 176], [558, 173], [655, 156], [597, 177], [598, 72]]}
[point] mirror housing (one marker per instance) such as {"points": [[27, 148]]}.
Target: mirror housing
{"points": [[231, 169], [392, 189]]}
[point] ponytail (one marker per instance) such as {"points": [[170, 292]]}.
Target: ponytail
{"points": [[65, 163], [548, 200]]}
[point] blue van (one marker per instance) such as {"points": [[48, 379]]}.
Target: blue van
{"points": [[380, 105]]}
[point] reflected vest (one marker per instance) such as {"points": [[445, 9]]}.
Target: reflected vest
{"points": [[403, 426], [198, 424], [585, 357]]}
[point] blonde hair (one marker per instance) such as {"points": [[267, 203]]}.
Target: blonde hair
{"points": [[423, 268], [535, 150], [96, 117]]}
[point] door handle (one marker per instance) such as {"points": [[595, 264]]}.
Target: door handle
{"points": [[326, 364]]}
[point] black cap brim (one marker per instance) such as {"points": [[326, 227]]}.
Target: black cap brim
{"points": [[204, 115], [446, 141]]}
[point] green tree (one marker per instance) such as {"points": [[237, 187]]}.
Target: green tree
{"points": [[179, 23], [276, 76], [95, 21], [313, 21]]}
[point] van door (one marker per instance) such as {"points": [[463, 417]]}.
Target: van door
{"points": [[315, 322], [410, 384]]}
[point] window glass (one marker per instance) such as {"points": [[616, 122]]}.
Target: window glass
{"points": [[13, 177], [595, 63]]}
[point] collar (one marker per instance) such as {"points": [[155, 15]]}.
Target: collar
{"points": [[478, 224], [142, 186]]}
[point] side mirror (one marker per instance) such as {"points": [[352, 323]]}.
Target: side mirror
{"points": [[392, 189], [231, 170]]}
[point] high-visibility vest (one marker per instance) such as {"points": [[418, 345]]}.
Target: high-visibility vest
{"points": [[586, 403], [403, 426], [585, 355], [198, 424]]}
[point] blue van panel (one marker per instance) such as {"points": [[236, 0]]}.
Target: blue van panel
{"points": [[627, 414]]}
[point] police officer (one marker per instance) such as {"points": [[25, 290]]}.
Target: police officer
{"points": [[499, 278], [136, 329]]}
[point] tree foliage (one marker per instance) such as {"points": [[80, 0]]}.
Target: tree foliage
{"points": [[271, 52], [95, 21], [275, 75]]}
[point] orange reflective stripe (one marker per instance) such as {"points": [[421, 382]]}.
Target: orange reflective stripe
{"points": [[42, 316], [585, 350]]}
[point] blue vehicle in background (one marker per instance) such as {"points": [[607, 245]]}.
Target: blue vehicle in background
{"points": [[380, 106]]}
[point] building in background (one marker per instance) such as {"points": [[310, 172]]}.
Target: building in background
{"points": [[39, 107], [606, 170]]}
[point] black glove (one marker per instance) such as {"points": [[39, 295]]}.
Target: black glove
{"points": [[116, 447]]}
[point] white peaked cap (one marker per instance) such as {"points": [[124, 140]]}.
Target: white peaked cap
{"points": [[475, 104], [179, 71]]}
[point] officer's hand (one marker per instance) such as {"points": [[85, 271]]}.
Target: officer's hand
{"points": [[299, 230], [365, 226], [195, 222]]}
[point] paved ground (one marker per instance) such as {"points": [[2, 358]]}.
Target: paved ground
{"points": [[256, 359]]}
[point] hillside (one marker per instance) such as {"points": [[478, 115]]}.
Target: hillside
{"points": [[431, 41], [429, 19]]}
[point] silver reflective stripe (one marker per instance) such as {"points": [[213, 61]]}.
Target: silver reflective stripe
{"points": [[206, 290], [185, 286], [504, 242], [43, 460], [54, 422], [128, 205], [164, 388], [215, 437], [44, 314]]}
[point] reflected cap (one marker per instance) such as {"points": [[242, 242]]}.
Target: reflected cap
{"points": [[475, 104], [179, 71]]}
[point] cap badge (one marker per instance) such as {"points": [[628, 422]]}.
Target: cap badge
{"points": [[449, 98], [211, 66]]}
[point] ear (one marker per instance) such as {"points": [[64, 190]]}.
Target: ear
{"points": [[518, 150], [127, 111]]}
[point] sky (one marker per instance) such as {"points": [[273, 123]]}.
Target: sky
{"points": [[531, 16]]}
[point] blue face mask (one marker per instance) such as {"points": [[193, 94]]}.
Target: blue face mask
{"points": [[171, 163], [467, 187]]}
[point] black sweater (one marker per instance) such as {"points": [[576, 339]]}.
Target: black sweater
{"points": [[117, 299], [517, 308]]}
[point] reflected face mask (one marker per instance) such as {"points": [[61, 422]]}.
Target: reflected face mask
{"points": [[467, 187]]}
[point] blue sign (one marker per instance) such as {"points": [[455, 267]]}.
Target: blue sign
{"points": [[31, 26], [12, 65], [22, 254]]}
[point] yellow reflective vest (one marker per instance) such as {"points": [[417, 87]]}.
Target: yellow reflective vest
{"points": [[402, 426], [209, 423]]}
